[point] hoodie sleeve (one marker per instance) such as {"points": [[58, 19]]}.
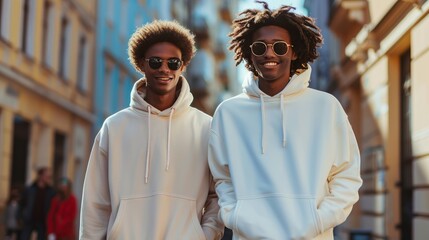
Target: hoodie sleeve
{"points": [[96, 208], [211, 224], [222, 178], [344, 178]]}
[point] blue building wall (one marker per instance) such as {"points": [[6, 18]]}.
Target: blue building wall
{"points": [[116, 21], [320, 75]]}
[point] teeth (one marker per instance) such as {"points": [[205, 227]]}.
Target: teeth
{"points": [[270, 64], [164, 79]]}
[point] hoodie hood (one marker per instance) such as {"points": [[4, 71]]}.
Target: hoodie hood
{"points": [[298, 83], [181, 104]]}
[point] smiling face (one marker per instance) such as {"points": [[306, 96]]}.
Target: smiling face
{"points": [[270, 67], [162, 81]]}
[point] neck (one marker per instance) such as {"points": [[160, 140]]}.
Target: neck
{"points": [[272, 88], [161, 102]]}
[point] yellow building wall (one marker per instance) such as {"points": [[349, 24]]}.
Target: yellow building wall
{"points": [[34, 68], [381, 42], [420, 125], [47, 116]]}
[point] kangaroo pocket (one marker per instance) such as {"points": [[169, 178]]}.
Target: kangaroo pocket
{"points": [[156, 217], [282, 217]]}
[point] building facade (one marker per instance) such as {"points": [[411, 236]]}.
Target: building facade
{"points": [[116, 22], [212, 73], [46, 89], [320, 74], [382, 82]]}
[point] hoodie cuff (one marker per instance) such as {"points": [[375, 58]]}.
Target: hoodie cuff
{"points": [[211, 234]]}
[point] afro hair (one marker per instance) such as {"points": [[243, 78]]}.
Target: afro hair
{"points": [[305, 35], [160, 31]]}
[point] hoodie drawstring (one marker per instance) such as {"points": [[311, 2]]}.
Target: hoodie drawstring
{"points": [[282, 107], [167, 165], [146, 176], [263, 123]]}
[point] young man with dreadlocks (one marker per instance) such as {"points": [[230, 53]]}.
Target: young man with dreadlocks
{"points": [[148, 175], [283, 156]]}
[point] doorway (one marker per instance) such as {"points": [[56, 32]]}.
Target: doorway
{"points": [[406, 167]]}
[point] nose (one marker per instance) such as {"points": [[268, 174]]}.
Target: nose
{"points": [[270, 51], [164, 67]]}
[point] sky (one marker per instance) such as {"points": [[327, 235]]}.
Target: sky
{"points": [[298, 4]]}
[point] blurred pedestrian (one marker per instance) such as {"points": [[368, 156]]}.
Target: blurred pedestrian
{"points": [[12, 223], [284, 157], [62, 214], [35, 204], [148, 175]]}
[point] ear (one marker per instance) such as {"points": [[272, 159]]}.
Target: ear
{"points": [[183, 68], [141, 66], [294, 56]]}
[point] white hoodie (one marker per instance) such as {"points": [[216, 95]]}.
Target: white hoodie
{"points": [[285, 167], [148, 176]]}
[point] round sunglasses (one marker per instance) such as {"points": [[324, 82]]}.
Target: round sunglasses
{"points": [[280, 48], [156, 62]]}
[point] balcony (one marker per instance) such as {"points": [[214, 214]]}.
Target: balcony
{"points": [[348, 17]]}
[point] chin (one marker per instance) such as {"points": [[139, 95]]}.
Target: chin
{"points": [[267, 78]]}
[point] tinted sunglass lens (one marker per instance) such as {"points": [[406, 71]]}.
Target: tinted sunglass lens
{"points": [[155, 63], [280, 48], [174, 64], [259, 48]]}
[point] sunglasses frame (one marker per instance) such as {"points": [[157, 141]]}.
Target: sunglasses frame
{"points": [[272, 47], [161, 61]]}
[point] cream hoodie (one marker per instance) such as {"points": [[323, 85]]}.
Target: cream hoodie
{"points": [[285, 167], [148, 176]]}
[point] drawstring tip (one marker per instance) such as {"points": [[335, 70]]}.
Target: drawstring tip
{"points": [[284, 143], [145, 179]]}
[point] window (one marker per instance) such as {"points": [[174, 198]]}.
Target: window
{"points": [[60, 154], [110, 10], [82, 74], [5, 18], [28, 14], [64, 48], [48, 33], [121, 94], [124, 18], [24, 26], [21, 137], [107, 83]]}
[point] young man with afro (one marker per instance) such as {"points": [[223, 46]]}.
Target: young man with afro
{"points": [[148, 175], [283, 156]]}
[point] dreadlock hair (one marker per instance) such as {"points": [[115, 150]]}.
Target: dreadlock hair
{"points": [[305, 35], [160, 31]]}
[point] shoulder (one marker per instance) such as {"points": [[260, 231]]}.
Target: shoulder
{"points": [[202, 118], [119, 116], [321, 96], [327, 102], [232, 103], [200, 114]]}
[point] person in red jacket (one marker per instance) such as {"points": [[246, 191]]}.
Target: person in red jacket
{"points": [[62, 214]]}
